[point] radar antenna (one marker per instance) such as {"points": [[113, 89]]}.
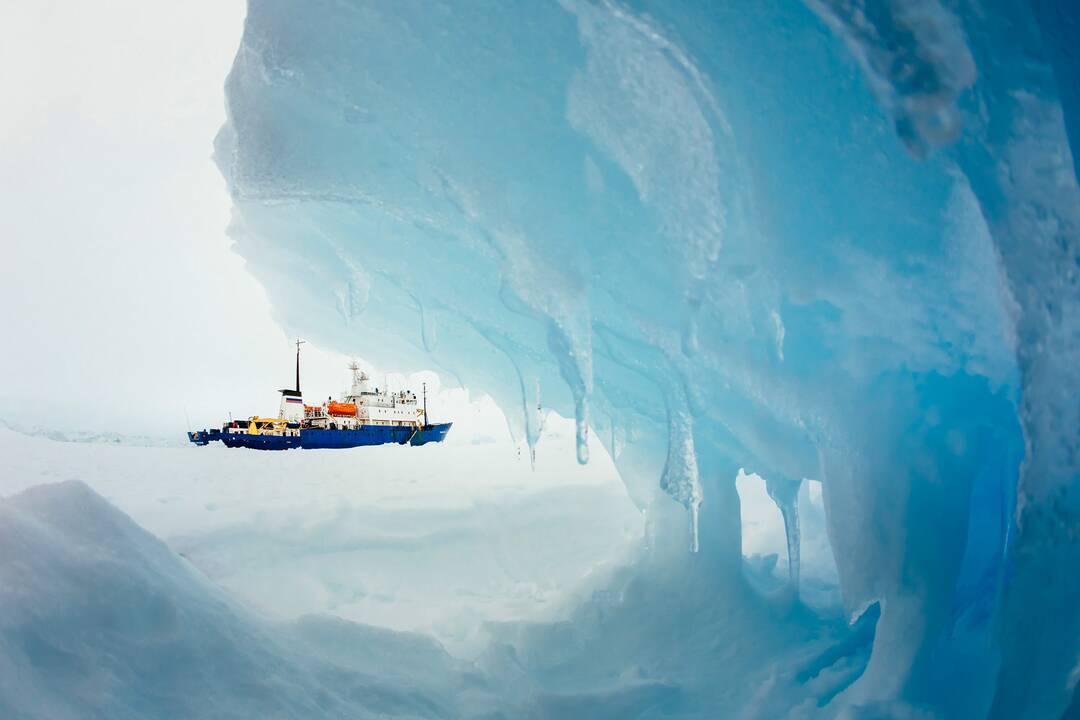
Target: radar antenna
{"points": [[358, 375]]}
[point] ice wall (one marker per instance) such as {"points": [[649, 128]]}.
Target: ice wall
{"points": [[833, 240], [1010, 133]]}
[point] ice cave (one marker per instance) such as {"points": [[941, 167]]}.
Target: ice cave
{"points": [[804, 273]]}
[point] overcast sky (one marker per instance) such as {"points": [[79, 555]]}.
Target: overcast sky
{"points": [[124, 307]]}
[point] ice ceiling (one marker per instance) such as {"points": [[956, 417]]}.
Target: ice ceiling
{"points": [[833, 239]]}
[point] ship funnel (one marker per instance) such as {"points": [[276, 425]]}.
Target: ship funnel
{"points": [[292, 403]]}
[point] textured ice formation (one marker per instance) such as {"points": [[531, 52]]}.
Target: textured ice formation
{"points": [[837, 240]]}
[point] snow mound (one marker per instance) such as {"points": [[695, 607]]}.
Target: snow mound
{"points": [[98, 618]]}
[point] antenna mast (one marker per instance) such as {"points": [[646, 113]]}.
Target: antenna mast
{"points": [[299, 342], [424, 385]]}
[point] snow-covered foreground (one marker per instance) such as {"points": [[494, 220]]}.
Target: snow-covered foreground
{"points": [[436, 539], [443, 581], [101, 619]]}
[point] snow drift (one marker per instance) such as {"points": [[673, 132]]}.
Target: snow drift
{"points": [[835, 240], [98, 618]]}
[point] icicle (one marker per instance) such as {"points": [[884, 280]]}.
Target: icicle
{"points": [[618, 438], [539, 410], [574, 355], [785, 493], [791, 530], [581, 413], [680, 478], [534, 424]]}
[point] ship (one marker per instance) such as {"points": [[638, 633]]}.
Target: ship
{"points": [[361, 416]]}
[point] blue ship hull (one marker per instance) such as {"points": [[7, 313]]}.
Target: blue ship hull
{"points": [[315, 438], [259, 442]]}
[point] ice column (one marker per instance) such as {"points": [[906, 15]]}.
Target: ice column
{"points": [[785, 493]]}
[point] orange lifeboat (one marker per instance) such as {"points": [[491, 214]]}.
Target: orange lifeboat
{"points": [[336, 408]]}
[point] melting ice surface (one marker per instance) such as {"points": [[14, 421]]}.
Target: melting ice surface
{"points": [[833, 240]]}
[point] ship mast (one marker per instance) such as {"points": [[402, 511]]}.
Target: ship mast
{"points": [[424, 385], [299, 342]]}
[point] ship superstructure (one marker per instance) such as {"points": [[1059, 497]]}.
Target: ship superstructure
{"points": [[365, 405], [362, 416]]}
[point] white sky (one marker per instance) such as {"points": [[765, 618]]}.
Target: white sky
{"points": [[122, 302]]}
